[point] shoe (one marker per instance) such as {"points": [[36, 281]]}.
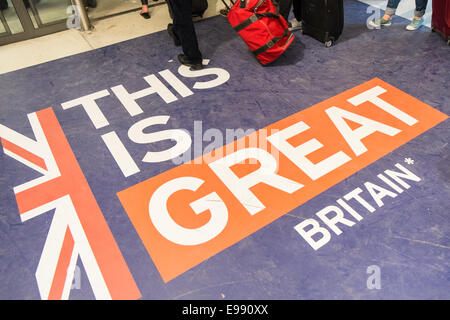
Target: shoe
{"points": [[145, 15], [294, 24], [190, 63], [176, 40], [415, 24], [378, 23]]}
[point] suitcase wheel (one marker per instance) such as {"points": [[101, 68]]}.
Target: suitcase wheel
{"points": [[328, 43]]}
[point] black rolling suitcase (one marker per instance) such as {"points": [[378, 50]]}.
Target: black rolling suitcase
{"points": [[198, 8], [323, 19]]}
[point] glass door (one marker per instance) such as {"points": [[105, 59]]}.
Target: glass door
{"points": [[25, 19], [10, 23]]}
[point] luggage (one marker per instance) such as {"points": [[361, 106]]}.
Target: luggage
{"points": [[198, 8], [260, 25], [323, 19], [440, 21]]}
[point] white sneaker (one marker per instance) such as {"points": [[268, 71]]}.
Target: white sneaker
{"points": [[294, 24]]}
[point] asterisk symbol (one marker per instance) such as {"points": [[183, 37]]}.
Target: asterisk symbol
{"points": [[409, 161]]}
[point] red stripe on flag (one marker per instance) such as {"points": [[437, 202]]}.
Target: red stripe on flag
{"points": [[60, 276], [31, 157]]}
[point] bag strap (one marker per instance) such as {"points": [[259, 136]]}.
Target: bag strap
{"points": [[244, 24], [270, 43], [256, 16], [243, 5], [270, 14]]}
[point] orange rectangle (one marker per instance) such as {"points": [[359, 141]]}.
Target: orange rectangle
{"points": [[194, 211]]}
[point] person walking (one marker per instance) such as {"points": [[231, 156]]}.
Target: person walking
{"points": [[182, 31], [144, 11]]}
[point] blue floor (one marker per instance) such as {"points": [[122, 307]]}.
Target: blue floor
{"points": [[408, 238]]}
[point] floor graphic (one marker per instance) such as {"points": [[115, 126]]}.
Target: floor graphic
{"points": [[282, 177], [325, 175]]}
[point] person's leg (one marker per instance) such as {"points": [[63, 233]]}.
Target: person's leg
{"points": [[391, 7], [285, 8], [421, 6], [296, 22], [417, 21], [385, 21], [297, 9], [183, 27], [144, 11]]}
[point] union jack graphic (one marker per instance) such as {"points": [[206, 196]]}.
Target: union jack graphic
{"points": [[78, 228]]}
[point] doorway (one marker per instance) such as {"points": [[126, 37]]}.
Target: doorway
{"points": [[26, 19]]}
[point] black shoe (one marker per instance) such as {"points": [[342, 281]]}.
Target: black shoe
{"points": [[176, 40], [145, 15], [195, 65]]}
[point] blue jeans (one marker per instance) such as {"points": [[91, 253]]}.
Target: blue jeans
{"points": [[421, 5]]}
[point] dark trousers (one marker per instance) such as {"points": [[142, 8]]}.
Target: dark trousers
{"points": [[285, 8], [184, 29]]}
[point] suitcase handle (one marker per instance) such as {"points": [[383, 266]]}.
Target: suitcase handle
{"points": [[242, 4]]}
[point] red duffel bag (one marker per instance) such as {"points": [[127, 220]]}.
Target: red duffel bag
{"points": [[262, 28], [441, 18]]}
